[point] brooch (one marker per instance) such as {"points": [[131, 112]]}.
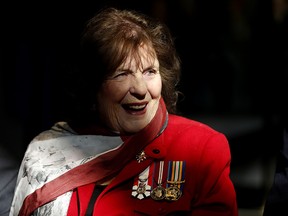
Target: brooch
{"points": [[141, 157]]}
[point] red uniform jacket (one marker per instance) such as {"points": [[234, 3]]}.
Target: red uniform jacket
{"points": [[207, 190]]}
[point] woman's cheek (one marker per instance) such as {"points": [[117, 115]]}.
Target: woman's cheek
{"points": [[115, 90], [155, 88]]}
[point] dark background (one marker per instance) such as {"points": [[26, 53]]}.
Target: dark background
{"points": [[234, 72]]}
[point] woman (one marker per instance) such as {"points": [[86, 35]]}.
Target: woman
{"points": [[125, 151]]}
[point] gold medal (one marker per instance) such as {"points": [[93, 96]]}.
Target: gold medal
{"points": [[173, 193], [158, 193], [175, 180]]}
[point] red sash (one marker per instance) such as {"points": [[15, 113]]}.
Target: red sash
{"points": [[99, 169]]}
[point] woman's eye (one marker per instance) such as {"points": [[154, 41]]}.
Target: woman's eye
{"points": [[119, 75], [150, 72]]}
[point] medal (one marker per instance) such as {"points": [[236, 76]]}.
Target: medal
{"points": [[141, 188], [158, 193], [173, 174], [173, 193], [175, 180]]}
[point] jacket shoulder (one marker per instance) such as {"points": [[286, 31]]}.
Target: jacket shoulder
{"points": [[181, 122]]}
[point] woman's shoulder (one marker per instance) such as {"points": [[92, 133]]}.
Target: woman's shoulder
{"points": [[59, 129], [188, 136], [183, 122]]}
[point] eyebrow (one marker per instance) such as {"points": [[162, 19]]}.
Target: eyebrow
{"points": [[144, 69]]}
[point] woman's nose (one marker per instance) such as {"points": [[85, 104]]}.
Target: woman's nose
{"points": [[138, 86]]}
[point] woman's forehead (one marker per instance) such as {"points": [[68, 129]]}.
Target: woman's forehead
{"points": [[143, 57]]}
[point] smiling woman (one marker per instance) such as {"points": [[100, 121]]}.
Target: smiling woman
{"points": [[125, 150], [130, 96]]}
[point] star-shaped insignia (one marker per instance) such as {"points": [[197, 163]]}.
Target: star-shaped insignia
{"points": [[141, 157]]}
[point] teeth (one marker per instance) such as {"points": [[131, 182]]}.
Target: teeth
{"points": [[137, 106]]}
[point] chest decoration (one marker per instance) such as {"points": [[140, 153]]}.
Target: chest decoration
{"points": [[162, 180], [141, 157]]}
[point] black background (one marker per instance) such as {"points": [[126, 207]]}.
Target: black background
{"points": [[234, 66]]}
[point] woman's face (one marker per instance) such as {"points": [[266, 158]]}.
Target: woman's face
{"points": [[129, 98]]}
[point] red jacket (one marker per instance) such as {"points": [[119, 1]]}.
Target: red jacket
{"points": [[207, 190]]}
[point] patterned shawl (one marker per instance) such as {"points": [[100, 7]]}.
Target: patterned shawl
{"points": [[59, 160]]}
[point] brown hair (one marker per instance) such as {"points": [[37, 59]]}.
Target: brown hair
{"points": [[112, 34]]}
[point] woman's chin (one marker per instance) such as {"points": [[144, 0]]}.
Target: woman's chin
{"points": [[135, 127]]}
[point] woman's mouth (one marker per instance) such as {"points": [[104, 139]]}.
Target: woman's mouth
{"points": [[135, 108]]}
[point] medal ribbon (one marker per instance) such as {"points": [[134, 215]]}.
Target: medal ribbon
{"points": [[160, 175], [176, 174], [142, 186]]}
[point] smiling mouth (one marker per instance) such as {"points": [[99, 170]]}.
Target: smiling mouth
{"points": [[134, 107]]}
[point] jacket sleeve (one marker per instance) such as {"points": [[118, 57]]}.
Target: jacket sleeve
{"points": [[215, 193]]}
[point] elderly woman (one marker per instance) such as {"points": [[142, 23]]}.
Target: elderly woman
{"points": [[125, 151]]}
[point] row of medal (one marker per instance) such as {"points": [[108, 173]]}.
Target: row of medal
{"points": [[174, 181]]}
